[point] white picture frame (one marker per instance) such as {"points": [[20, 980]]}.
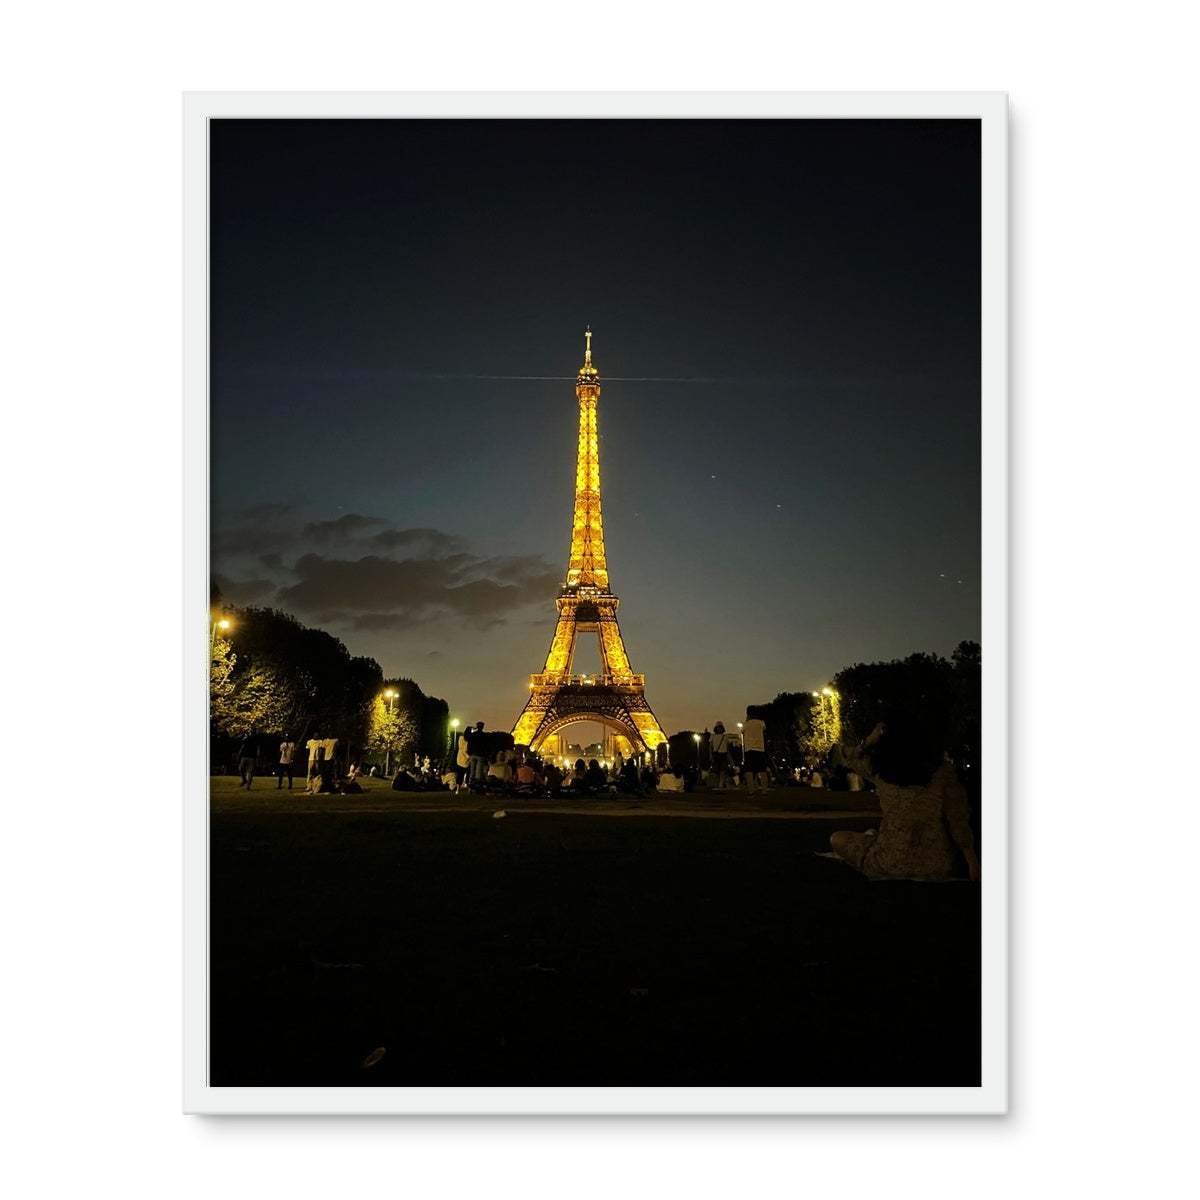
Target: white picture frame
{"points": [[992, 1097]]}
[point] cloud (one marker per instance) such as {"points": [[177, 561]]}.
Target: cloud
{"points": [[432, 541], [365, 592], [356, 572], [340, 529], [245, 591]]}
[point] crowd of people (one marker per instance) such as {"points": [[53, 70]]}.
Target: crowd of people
{"points": [[925, 832]]}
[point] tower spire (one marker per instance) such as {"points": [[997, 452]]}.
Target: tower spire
{"points": [[588, 373]]}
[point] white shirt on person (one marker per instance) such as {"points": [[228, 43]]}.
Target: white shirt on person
{"points": [[754, 733]]}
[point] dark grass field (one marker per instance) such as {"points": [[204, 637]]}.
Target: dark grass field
{"points": [[552, 948]]}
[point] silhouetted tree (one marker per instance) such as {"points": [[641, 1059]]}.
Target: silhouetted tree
{"points": [[942, 697]]}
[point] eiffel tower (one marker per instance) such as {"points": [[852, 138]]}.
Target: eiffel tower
{"points": [[616, 697]]}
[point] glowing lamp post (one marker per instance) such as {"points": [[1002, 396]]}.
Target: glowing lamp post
{"points": [[453, 738], [390, 696], [222, 624], [696, 738]]}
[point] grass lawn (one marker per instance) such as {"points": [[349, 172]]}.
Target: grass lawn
{"points": [[565, 948]]}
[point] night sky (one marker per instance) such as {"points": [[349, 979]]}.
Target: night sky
{"points": [[785, 318]]}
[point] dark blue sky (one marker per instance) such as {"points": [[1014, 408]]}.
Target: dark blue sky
{"points": [[786, 324]]}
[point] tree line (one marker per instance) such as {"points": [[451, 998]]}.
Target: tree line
{"points": [[276, 679], [942, 697]]}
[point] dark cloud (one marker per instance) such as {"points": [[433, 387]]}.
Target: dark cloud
{"points": [[365, 592], [341, 528], [372, 579], [433, 542], [265, 512], [378, 622], [245, 591], [516, 569]]}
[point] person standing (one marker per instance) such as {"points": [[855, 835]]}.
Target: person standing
{"points": [[754, 752], [287, 751], [720, 755], [247, 761], [461, 762], [477, 755]]}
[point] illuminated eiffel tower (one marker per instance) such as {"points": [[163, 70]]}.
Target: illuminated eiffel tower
{"points": [[616, 697]]}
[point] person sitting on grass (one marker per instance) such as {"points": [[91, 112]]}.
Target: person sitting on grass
{"points": [[325, 781], [500, 772], [553, 777], [627, 780], [926, 824], [670, 780], [575, 781], [595, 779], [404, 782]]}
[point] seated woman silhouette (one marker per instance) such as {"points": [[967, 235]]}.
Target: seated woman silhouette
{"points": [[594, 778], [926, 822]]}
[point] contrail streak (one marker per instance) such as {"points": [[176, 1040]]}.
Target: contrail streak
{"points": [[603, 378], [448, 376]]}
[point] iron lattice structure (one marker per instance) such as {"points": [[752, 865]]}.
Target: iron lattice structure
{"points": [[616, 697]]}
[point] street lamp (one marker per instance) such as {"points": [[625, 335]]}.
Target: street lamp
{"points": [[390, 696], [453, 738], [223, 623], [696, 737]]}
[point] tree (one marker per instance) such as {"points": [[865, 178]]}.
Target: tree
{"points": [[789, 723], [941, 698], [274, 676], [390, 729], [435, 728], [822, 725], [682, 751], [220, 676]]}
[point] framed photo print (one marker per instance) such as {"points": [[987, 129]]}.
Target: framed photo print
{"points": [[596, 603]]}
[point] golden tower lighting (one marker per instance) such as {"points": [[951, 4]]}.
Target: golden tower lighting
{"points": [[616, 697]]}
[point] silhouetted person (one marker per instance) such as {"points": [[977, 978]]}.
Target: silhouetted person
{"points": [[719, 746], [755, 764], [670, 780], [477, 755], [627, 779], [287, 751], [594, 778], [500, 770], [247, 760], [462, 761]]}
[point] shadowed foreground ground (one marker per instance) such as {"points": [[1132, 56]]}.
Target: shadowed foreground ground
{"points": [[555, 948]]}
